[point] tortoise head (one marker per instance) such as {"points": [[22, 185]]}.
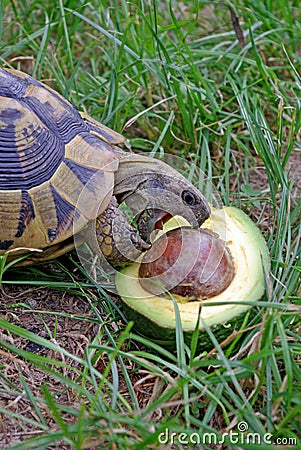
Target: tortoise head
{"points": [[154, 192]]}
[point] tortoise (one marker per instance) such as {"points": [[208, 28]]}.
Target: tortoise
{"points": [[61, 171]]}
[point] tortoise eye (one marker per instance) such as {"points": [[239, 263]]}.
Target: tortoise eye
{"points": [[188, 198]]}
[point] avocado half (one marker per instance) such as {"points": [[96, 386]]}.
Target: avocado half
{"points": [[155, 317]]}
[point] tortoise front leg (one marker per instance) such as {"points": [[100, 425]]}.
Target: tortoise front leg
{"points": [[116, 237]]}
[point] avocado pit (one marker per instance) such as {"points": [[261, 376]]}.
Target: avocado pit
{"points": [[192, 264]]}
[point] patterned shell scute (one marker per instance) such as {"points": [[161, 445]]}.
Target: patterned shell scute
{"points": [[56, 164]]}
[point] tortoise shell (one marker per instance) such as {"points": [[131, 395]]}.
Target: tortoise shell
{"points": [[56, 164]]}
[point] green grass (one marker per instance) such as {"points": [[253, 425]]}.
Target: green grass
{"points": [[234, 113]]}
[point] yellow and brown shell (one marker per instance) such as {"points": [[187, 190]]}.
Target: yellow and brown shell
{"points": [[56, 164]]}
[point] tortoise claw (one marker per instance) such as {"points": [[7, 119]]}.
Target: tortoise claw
{"points": [[117, 238]]}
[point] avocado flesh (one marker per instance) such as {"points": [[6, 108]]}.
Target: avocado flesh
{"points": [[154, 314]]}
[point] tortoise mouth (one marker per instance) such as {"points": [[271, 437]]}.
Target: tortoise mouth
{"points": [[163, 218], [151, 221]]}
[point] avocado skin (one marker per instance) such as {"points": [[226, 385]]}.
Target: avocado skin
{"points": [[166, 337]]}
